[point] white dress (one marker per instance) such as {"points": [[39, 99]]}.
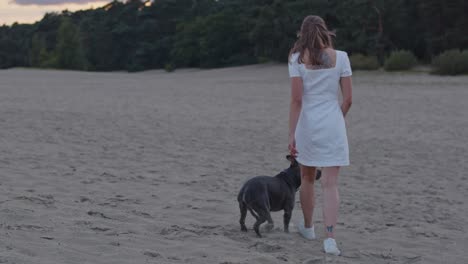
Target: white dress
{"points": [[321, 139]]}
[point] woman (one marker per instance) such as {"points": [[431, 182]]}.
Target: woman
{"points": [[317, 132]]}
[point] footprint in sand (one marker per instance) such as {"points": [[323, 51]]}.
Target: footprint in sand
{"points": [[91, 181], [214, 201], [84, 199], [173, 258], [45, 200], [94, 213], [110, 178], [142, 214], [152, 254], [264, 247], [100, 229], [314, 261], [178, 232], [118, 200], [30, 228], [187, 183], [89, 224]]}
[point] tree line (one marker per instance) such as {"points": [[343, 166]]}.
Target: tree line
{"points": [[138, 35]]}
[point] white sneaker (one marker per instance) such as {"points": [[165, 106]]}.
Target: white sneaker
{"points": [[307, 233], [330, 247]]}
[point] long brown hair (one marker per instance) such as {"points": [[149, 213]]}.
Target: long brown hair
{"points": [[313, 38]]}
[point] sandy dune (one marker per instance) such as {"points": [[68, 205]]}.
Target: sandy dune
{"points": [[144, 168]]}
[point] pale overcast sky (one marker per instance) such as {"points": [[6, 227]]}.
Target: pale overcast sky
{"points": [[29, 11]]}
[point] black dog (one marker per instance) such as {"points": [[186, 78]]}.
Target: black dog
{"points": [[263, 194]]}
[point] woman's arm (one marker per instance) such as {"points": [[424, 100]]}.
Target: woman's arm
{"points": [[294, 111], [346, 89]]}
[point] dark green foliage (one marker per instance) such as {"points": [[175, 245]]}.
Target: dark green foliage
{"points": [[443, 25], [451, 62], [14, 45], [363, 62], [68, 51], [400, 60], [213, 41], [169, 67], [133, 36], [274, 31]]}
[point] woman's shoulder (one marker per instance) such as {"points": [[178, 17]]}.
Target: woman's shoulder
{"points": [[341, 53], [294, 56]]}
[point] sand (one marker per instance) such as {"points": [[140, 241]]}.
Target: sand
{"points": [[145, 167]]}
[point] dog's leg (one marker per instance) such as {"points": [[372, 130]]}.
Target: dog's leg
{"points": [[257, 224], [243, 214], [286, 219], [263, 215], [270, 224]]}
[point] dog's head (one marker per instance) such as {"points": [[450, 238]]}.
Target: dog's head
{"points": [[294, 170], [292, 160]]}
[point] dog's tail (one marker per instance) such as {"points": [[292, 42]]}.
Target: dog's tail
{"points": [[254, 214]]}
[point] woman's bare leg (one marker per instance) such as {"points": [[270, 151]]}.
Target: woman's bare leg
{"points": [[331, 198], [307, 194]]}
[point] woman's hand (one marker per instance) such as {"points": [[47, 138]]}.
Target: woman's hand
{"points": [[292, 146]]}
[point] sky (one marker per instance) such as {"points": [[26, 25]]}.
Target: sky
{"points": [[29, 11]]}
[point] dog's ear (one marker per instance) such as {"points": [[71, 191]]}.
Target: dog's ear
{"points": [[292, 160]]}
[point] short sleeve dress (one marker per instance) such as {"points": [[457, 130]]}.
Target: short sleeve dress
{"points": [[321, 139]]}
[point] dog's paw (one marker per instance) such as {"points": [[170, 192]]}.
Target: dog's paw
{"points": [[269, 227], [244, 229]]}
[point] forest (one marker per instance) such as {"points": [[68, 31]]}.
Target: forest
{"points": [[137, 35]]}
